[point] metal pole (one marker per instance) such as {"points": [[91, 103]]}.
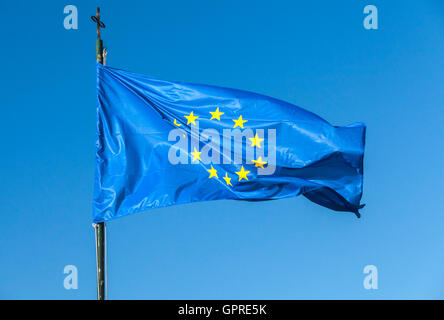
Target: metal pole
{"points": [[100, 229], [100, 253]]}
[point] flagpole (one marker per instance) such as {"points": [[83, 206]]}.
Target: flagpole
{"points": [[100, 228]]}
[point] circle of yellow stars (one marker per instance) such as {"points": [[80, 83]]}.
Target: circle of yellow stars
{"points": [[239, 122]]}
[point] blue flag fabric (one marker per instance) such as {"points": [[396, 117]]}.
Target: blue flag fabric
{"points": [[161, 143]]}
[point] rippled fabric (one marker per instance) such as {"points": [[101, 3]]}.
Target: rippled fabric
{"points": [[147, 133]]}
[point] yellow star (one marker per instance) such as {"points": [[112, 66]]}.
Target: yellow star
{"points": [[256, 141], [191, 118], [242, 174], [177, 124], [259, 162], [239, 122], [216, 114], [196, 155], [213, 172], [227, 179]]}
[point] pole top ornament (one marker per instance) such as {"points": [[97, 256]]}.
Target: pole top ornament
{"points": [[99, 23]]}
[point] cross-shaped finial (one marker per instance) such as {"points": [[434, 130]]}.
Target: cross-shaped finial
{"points": [[100, 24]]}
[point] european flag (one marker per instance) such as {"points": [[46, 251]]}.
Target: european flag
{"points": [[161, 143]]}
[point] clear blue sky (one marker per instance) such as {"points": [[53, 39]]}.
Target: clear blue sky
{"points": [[314, 54]]}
